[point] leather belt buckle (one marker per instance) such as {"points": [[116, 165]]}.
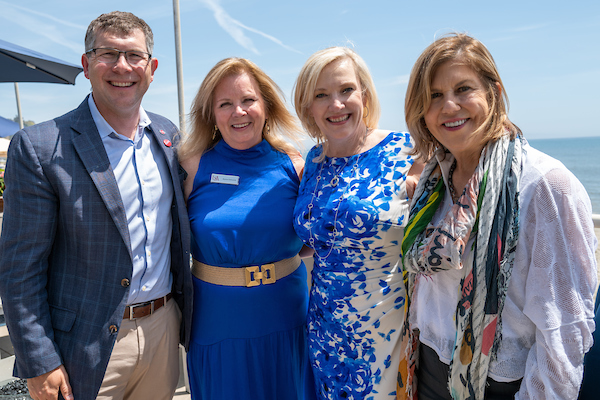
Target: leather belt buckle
{"points": [[141, 307], [260, 274], [145, 309]]}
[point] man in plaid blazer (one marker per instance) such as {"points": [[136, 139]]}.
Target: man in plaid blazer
{"points": [[94, 252]]}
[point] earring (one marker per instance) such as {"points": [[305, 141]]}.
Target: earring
{"points": [[365, 113], [267, 127], [215, 132]]}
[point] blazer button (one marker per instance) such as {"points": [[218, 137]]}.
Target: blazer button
{"points": [[113, 329], [125, 282]]}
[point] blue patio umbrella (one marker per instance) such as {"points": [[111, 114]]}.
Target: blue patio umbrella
{"points": [[18, 64], [8, 127]]}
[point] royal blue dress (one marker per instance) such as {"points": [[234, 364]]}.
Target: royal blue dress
{"points": [[247, 343]]}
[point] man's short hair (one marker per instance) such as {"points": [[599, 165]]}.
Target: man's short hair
{"points": [[120, 23]]}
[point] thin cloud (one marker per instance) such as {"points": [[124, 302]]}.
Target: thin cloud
{"points": [[512, 33], [236, 29], [400, 80], [274, 39], [528, 28], [47, 16], [36, 22]]}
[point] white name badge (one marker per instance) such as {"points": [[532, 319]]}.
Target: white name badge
{"points": [[225, 179]]}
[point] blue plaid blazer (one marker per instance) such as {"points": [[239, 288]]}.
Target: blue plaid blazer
{"points": [[65, 248]]}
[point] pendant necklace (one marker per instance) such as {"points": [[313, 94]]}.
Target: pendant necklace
{"points": [[336, 177], [334, 182]]}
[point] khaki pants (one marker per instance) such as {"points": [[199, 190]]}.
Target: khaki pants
{"points": [[144, 363]]}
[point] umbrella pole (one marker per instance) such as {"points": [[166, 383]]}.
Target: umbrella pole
{"points": [[19, 105], [179, 66]]}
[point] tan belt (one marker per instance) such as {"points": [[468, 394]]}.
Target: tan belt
{"points": [[250, 276], [140, 310]]}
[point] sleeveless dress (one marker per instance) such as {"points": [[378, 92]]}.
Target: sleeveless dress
{"points": [[247, 343], [356, 308]]}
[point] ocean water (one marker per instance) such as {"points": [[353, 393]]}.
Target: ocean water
{"points": [[581, 156]]}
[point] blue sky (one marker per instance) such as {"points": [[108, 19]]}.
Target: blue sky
{"points": [[548, 52]]}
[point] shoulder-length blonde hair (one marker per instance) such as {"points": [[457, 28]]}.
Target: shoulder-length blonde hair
{"points": [[462, 48], [307, 82], [282, 124]]}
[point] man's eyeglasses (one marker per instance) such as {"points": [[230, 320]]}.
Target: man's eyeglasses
{"points": [[135, 58]]}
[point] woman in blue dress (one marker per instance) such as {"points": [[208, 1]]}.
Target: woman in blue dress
{"points": [[351, 209], [250, 303]]}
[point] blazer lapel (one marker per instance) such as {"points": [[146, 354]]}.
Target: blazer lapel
{"points": [[164, 142], [89, 147]]}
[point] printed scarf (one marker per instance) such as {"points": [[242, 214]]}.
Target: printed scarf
{"points": [[488, 212]]}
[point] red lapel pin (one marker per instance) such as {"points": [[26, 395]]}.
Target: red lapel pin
{"points": [[167, 142], [161, 131]]}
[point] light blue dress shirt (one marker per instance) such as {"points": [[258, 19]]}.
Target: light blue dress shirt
{"points": [[146, 189]]}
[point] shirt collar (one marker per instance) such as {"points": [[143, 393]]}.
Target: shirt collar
{"points": [[104, 127], [445, 160]]}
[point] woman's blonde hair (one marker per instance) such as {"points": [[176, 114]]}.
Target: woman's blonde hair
{"points": [[464, 49], [307, 82], [282, 124]]}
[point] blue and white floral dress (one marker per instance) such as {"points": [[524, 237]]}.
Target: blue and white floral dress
{"points": [[357, 297]]}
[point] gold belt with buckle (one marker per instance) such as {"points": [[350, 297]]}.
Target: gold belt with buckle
{"points": [[253, 275]]}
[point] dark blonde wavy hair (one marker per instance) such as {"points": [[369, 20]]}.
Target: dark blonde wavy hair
{"points": [[464, 49], [283, 125]]}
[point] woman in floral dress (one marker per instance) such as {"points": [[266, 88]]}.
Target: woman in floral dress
{"points": [[351, 209]]}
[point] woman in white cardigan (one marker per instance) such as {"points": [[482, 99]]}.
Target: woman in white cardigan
{"points": [[500, 244]]}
